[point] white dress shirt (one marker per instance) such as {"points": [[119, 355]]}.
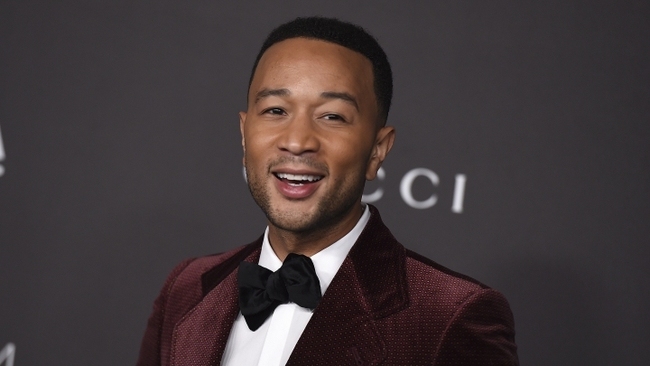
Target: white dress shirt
{"points": [[272, 343]]}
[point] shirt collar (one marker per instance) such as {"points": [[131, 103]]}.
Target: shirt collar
{"points": [[326, 262]]}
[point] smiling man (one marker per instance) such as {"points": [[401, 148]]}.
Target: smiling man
{"points": [[327, 283]]}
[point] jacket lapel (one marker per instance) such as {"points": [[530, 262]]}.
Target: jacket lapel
{"points": [[342, 330], [200, 337]]}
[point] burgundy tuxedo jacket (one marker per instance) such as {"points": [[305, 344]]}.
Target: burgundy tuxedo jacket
{"points": [[385, 306]]}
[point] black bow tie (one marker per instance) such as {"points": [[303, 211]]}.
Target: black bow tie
{"points": [[261, 290]]}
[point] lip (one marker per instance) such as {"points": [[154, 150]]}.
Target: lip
{"points": [[296, 192]]}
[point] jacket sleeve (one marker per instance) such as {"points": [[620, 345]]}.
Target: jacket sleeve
{"points": [[482, 332], [150, 348]]}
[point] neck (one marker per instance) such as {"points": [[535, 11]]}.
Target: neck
{"points": [[311, 242]]}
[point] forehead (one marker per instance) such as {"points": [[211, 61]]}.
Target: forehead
{"points": [[303, 61]]}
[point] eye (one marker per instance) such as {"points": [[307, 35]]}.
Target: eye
{"points": [[333, 117], [274, 111]]}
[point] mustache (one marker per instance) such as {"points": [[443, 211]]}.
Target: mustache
{"points": [[298, 160]]}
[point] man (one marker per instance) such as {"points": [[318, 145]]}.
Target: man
{"points": [[327, 284]]}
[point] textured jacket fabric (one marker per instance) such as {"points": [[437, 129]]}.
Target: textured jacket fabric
{"points": [[385, 306]]}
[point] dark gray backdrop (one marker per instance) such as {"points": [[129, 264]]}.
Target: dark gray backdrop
{"points": [[119, 123]]}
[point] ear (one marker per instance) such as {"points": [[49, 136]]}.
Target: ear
{"points": [[242, 121], [383, 144]]}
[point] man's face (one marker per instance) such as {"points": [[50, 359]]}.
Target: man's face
{"points": [[310, 135]]}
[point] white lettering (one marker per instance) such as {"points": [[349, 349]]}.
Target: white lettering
{"points": [[379, 193], [7, 354], [406, 189], [407, 184], [459, 193]]}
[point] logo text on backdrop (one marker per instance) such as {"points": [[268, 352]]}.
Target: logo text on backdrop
{"points": [[406, 186], [406, 189], [7, 354]]}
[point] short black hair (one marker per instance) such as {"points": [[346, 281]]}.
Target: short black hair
{"points": [[345, 34]]}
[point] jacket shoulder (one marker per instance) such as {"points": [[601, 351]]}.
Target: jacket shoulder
{"points": [[184, 288], [431, 284], [419, 262], [475, 321]]}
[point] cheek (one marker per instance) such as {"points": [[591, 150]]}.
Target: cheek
{"points": [[258, 146], [350, 156]]}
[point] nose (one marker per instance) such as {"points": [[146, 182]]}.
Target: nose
{"points": [[300, 136]]}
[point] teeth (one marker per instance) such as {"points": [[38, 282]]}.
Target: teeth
{"points": [[299, 177]]}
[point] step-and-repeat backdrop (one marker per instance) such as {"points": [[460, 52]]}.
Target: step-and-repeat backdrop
{"points": [[521, 159]]}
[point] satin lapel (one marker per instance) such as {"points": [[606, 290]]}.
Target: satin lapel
{"points": [[341, 331], [200, 336]]}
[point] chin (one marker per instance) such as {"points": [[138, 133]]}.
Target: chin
{"points": [[298, 220]]}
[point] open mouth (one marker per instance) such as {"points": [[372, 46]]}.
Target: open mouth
{"points": [[297, 180]]}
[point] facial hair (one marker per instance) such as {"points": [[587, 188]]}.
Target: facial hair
{"points": [[331, 208]]}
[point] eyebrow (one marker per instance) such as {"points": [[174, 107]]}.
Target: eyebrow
{"points": [[340, 95], [346, 97], [271, 92]]}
